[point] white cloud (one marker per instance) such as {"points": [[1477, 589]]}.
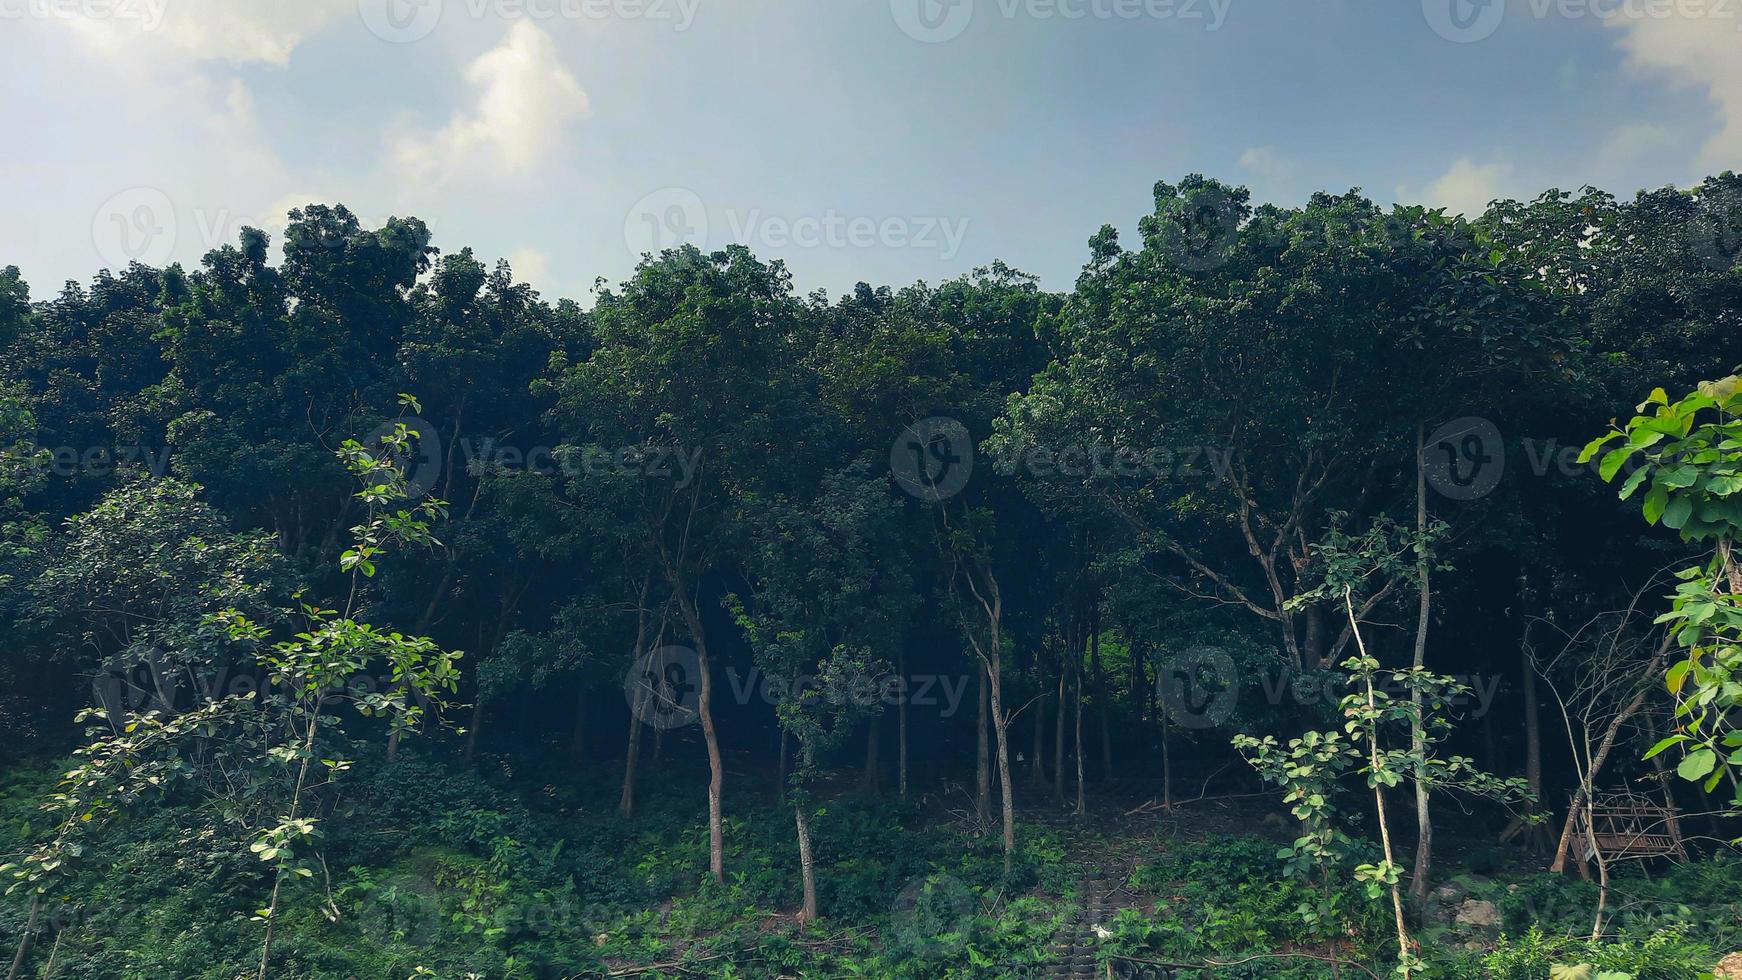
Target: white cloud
{"points": [[1699, 52], [531, 266], [1266, 162], [524, 98], [1628, 144], [236, 31], [1465, 189]]}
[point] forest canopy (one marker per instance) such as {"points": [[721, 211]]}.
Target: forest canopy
{"points": [[364, 612]]}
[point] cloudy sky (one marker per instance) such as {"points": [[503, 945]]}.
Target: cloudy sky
{"points": [[883, 140]]}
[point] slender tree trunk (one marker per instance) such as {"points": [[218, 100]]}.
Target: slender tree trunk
{"points": [[1101, 701], [632, 754], [1375, 761], [710, 736], [24, 940], [780, 783], [1424, 841], [1037, 765], [982, 752], [510, 601], [1001, 723], [901, 719], [1082, 804], [1058, 736], [1533, 833], [873, 779], [53, 954], [716, 763], [1166, 767], [308, 747], [1139, 675], [807, 865]]}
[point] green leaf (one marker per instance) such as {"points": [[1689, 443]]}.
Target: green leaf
{"points": [[1677, 513], [1612, 461], [1673, 678], [1634, 481], [1666, 743], [1655, 500], [1697, 764]]}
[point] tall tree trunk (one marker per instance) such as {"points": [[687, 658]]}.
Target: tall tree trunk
{"points": [[1166, 767], [780, 781], [807, 865], [308, 752], [1058, 737], [716, 763], [510, 602], [1037, 765], [991, 653], [1101, 701], [1082, 804], [982, 751], [24, 940], [1139, 677], [873, 782], [901, 718], [631, 761], [1375, 762], [632, 754], [1001, 723], [1424, 842], [1534, 834]]}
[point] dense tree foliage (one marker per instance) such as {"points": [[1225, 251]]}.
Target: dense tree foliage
{"points": [[1302, 479]]}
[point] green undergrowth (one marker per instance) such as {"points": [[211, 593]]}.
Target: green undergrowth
{"points": [[529, 875]]}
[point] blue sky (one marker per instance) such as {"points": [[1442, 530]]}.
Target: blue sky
{"points": [[883, 140]]}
